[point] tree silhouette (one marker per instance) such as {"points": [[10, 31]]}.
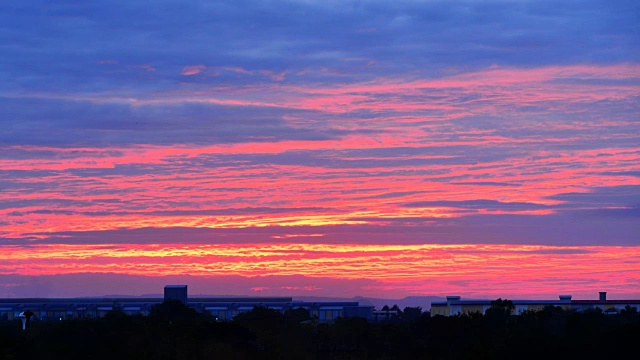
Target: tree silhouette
{"points": [[501, 308], [411, 313], [296, 316], [500, 313], [629, 311], [169, 333], [172, 311]]}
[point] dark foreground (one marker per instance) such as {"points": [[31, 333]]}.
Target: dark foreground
{"points": [[175, 332]]}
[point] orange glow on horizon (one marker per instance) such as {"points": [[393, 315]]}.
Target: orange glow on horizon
{"points": [[405, 269]]}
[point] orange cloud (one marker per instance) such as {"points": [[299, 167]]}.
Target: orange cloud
{"points": [[518, 270]]}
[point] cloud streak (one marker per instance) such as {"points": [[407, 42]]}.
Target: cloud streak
{"points": [[370, 269]]}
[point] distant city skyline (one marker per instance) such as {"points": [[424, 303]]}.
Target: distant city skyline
{"points": [[320, 148]]}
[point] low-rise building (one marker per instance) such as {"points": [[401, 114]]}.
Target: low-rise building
{"points": [[455, 305], [222, 308]]}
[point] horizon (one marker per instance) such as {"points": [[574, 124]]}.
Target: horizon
{"points": [[302, 297], [321, 148]]}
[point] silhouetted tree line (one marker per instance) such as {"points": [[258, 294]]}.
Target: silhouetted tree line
{"points": [[175, 331]]}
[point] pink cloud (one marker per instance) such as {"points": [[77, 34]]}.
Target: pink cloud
{"points": [[193, 70], [355, 188], [490, 91]]}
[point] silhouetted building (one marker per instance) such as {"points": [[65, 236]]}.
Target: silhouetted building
{"points": [[222, 308], [176, 292], [456, 306]]}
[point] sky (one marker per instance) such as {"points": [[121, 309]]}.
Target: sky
{"points": [[320, 148]]}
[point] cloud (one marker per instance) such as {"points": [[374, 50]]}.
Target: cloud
{"points": [[601, 197], [560, 228], [193, 70], [89, 124], [487, 183], [621, 173], [478, 204], [319, 270], [297, 35]]}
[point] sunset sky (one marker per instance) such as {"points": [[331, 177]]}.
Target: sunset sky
{"points": [[320, 147]]}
